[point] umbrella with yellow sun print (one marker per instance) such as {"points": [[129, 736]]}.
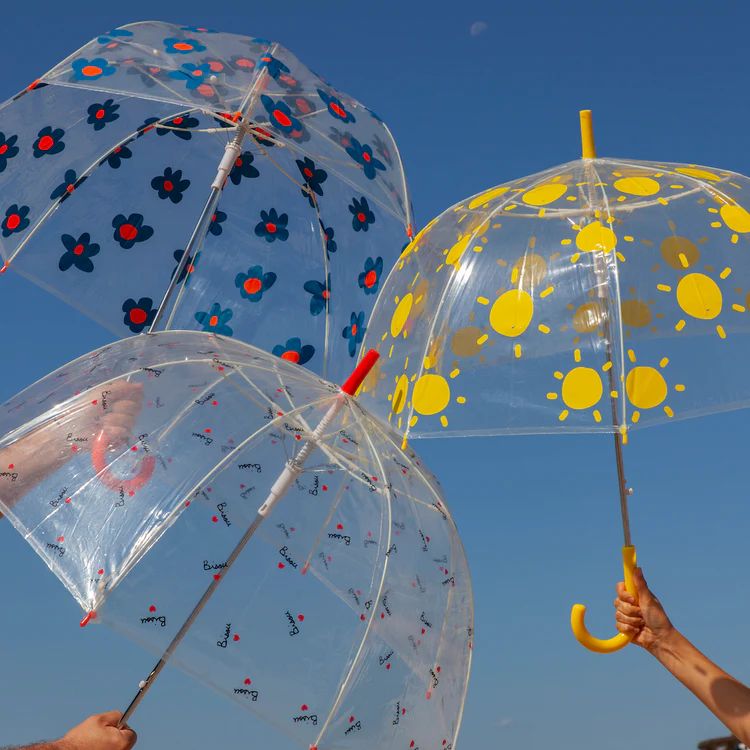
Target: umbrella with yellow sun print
{"points": [[600, 295]]}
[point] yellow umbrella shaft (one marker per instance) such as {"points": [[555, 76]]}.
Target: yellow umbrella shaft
{"points": [[587, 135]]}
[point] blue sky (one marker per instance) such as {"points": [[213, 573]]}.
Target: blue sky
{"points": [[538, 515]]}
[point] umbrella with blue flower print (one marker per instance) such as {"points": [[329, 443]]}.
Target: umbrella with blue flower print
{"points": [[180, 178]]}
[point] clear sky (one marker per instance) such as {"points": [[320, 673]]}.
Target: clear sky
{"points": [[539, 517]]}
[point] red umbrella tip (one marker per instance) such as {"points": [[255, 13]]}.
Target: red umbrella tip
{"points": [[89, 616], [361, 371]]}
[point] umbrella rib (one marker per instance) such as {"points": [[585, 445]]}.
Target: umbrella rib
{"points": [[386, 559]]}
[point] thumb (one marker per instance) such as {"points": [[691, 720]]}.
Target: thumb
{"points": [[641, 587]]}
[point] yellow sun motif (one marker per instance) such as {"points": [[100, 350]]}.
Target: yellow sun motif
{"points": [[736, 218], [647, 388], [582, 388], [699, 296]]}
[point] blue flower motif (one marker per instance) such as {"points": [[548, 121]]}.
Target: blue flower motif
{"points": [[148, 124], [216, 320], [170, 185], [216, 221], [369, 279], [192, 75], [188, 268], [282, 118], [275, 67], [182, 46], [330, 243], [355, 332], [15, 220], [313, 178], [90, 70], [362, 154], [293, 351], [108, 36], [138, 315], [8, 150], [130, 230], [243, 167], [362, 216], [336, 108], [180, 126], [272, 226], [78, 253], [116, 155], [198, 30], [253, 283], [321, 293], [382, 149], [101, 114], [67, 186], [48, 141], [148, 72]]}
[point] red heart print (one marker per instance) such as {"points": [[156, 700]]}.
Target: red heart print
{"points": [[422, 631], [100, 572], [414, 585], [94, 402], [214, 403], [427, 538], [351, 719], [301, 618], [214, 519], [242, 486], [208, 431], [304, 707], [281, 565], [61, 539], [339, 526], [369, 533], [11, 466], [329, 558], [187, 503], [411, 744], [152, 608], [248, 682], [325, 489], [67, 499], [382, 615], [236, 638], [374, 479], [150, 403], [438, 670], [403, 711], [218, 575], [131, 493], [361, 617], [359, 593], [292, 529], [388, 666]]}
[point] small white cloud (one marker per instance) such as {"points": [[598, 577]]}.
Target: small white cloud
{"points": [[504, 723], [478, 27]]}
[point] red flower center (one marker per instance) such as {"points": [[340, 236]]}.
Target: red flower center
{"points": [[213, 320], [340, 111], [354, 330], [366, 156], [243, 62], [190, 268], [183, 46], [3, 148], [99, 114], [138, 316], [370, 279], [13, 221], [303, 105], [154, 71], [270, 228], [205, 90], [91, 70], [128, 232], [308, 173], [252, 286], [118, 149], [282, 119], [198, 73], [326, 294], [78, 249], [361, 217], [177, 120], [238, 163], [291, 357], [266, 59], [216, 66], [70, 188], [46, 143], [169, 186]]}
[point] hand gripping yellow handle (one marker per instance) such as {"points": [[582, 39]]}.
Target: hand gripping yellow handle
{"points": [[597, 645]]}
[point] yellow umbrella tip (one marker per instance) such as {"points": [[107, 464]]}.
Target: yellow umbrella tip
{"points": [[588, 148]]}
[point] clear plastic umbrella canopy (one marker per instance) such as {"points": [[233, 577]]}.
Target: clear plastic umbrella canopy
{"points": [[600, 295], [344, 619], [165, 176]]}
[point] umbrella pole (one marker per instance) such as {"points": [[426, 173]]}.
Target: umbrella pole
{"points": [[231, 152], [281, 486], [578, 613]]}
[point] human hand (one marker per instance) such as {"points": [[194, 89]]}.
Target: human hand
{"points": [[647, 619], [100, 732]]}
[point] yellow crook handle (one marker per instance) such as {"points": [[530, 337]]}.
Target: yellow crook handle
{"points": [[597, 645]]}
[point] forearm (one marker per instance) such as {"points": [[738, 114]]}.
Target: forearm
{"points": [[723, 695]]}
